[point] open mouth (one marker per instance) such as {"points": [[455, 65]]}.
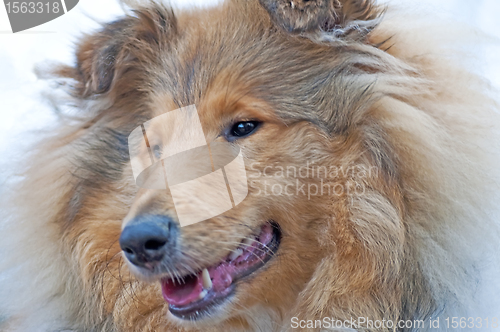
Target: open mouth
{"points": [[197, 294]]}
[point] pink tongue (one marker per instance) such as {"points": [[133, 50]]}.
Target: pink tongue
{"points": [[185, 293]]}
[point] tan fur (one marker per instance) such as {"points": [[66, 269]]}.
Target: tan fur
{"points": [[365, 91]]}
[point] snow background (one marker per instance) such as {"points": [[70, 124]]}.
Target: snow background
{"points": [[23, 109]]}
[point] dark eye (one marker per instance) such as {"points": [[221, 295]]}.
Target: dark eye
{"points": [[157, 151], [244, 128]]}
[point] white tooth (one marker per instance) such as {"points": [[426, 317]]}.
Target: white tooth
{"points": [[203, 294], [235, 254], [207, 282], [248, 242]]}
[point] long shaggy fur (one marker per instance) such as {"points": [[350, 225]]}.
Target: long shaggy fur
{"points": [[345, 84]]}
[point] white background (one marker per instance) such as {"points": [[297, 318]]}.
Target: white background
{"points": [[22, 108]]}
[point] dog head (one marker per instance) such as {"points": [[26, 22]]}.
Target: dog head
{"points": [[290, 84]]}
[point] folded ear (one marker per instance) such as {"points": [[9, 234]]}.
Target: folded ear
{"points": [[338, 17], [119, 47], [99, 53]]}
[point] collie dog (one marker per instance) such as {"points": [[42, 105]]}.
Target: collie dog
{"points": [[371, 155]]}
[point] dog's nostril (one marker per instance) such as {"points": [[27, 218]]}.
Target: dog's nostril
{"points": [[128, 251], [154, 244], [144, 239]]}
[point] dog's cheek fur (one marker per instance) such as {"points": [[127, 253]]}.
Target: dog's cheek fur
{"points": [[278, 284]]}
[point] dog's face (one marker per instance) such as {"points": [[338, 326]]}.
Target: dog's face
{"points": [[241, 249], [230, 262], [292, 105], [244, 249]]}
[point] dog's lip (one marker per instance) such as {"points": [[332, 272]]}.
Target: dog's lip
{"points": [[192, 301]]}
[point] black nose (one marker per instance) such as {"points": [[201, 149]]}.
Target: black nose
{"points": [[147, 239]]}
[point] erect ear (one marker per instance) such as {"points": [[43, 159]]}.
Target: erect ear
{"points": [[119, 47], [339, 17]]}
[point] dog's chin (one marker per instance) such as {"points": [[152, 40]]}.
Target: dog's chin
{"points": [[202, 295]]}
